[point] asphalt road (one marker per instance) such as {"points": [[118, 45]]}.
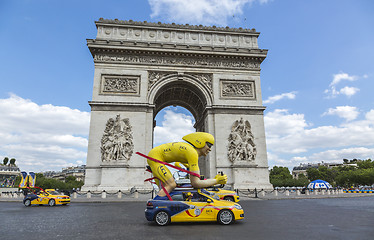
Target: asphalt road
{"points": [[331, 218]]}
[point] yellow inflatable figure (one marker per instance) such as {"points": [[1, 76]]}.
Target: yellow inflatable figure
{"points": [[198, 144]]}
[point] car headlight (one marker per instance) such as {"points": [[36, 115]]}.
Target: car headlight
{"points": [[238, 207]]}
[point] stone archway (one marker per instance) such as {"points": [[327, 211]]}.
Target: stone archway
{"points": [[185, 90], [142, 67]]}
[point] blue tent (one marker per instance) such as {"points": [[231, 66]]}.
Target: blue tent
{"points": [[317, 184]]}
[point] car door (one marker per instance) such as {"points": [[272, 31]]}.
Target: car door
{"points": [[201, 208]]}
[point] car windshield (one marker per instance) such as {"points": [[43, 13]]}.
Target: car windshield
{"points": [[206, 192], [55, 193], [212, 195]]}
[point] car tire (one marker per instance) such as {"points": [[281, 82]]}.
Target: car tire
{"points": [[27, 202], [225, 217], [229, 198], [162, 218], [52, 202]]}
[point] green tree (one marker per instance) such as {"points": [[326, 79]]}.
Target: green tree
{"points": [[5, 161], [343, 179], [365, 164], [280, 172], [327, 174], [281, 177], [69, 184], [12, 161], [302, 181], [69, 179], [313, 174]]}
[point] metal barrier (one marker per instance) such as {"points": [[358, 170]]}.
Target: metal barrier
{"points": [[133, 192], [293, 192], [249, 193]]}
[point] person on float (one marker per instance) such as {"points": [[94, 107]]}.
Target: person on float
{"points": [[198, 144]]}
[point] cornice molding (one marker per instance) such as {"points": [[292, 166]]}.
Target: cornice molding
{"points": [[175, 47], [103, 21], [176, 34]]}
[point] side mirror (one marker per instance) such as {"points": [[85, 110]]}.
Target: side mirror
{"points": [[209, 200]]}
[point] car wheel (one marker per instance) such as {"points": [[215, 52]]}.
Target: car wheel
{"points": [[225, 217], [229, 198], [162, 218], [27, 202], [52, 202]]}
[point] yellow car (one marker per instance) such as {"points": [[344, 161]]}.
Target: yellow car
{"points": [[48, 196], [225, 194], [193, 206]]}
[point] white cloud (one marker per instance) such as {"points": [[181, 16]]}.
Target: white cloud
{"points": [[352, 139], [280, 122], [337, 155], [273, 99], [342, 76], [207, 12], [42, 137], [174, 127], [347, 91], [276, 160], [347, 112]]}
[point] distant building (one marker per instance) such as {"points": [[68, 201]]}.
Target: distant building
{"points": [[78, 172], [302, 169], [8, 175]]}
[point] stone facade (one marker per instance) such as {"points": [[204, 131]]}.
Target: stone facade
{"points": [[142, 67]]}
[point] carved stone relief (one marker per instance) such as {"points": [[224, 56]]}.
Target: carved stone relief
{"points": [[238, 89], [241, 145], [155, 76], [120, 84], [204, 78], [116, 143], [180, 61]]}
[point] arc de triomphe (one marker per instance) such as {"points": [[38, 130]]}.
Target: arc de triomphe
{"points": [[141, 68]]}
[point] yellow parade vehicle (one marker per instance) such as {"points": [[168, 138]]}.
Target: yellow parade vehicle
{"points": [[49, 197], [193, 206], [223, 194]]}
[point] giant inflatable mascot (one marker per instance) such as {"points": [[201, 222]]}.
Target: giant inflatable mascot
{"points": [[198, 144]]}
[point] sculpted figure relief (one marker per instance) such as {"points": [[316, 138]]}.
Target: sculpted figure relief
{"points": [[155, 76], [237, 89], [206, 79], [241, 142], [120, 84], [116, 143], [180, 61]]}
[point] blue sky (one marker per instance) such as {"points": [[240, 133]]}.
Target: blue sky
{"points": [[317, 79]]}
